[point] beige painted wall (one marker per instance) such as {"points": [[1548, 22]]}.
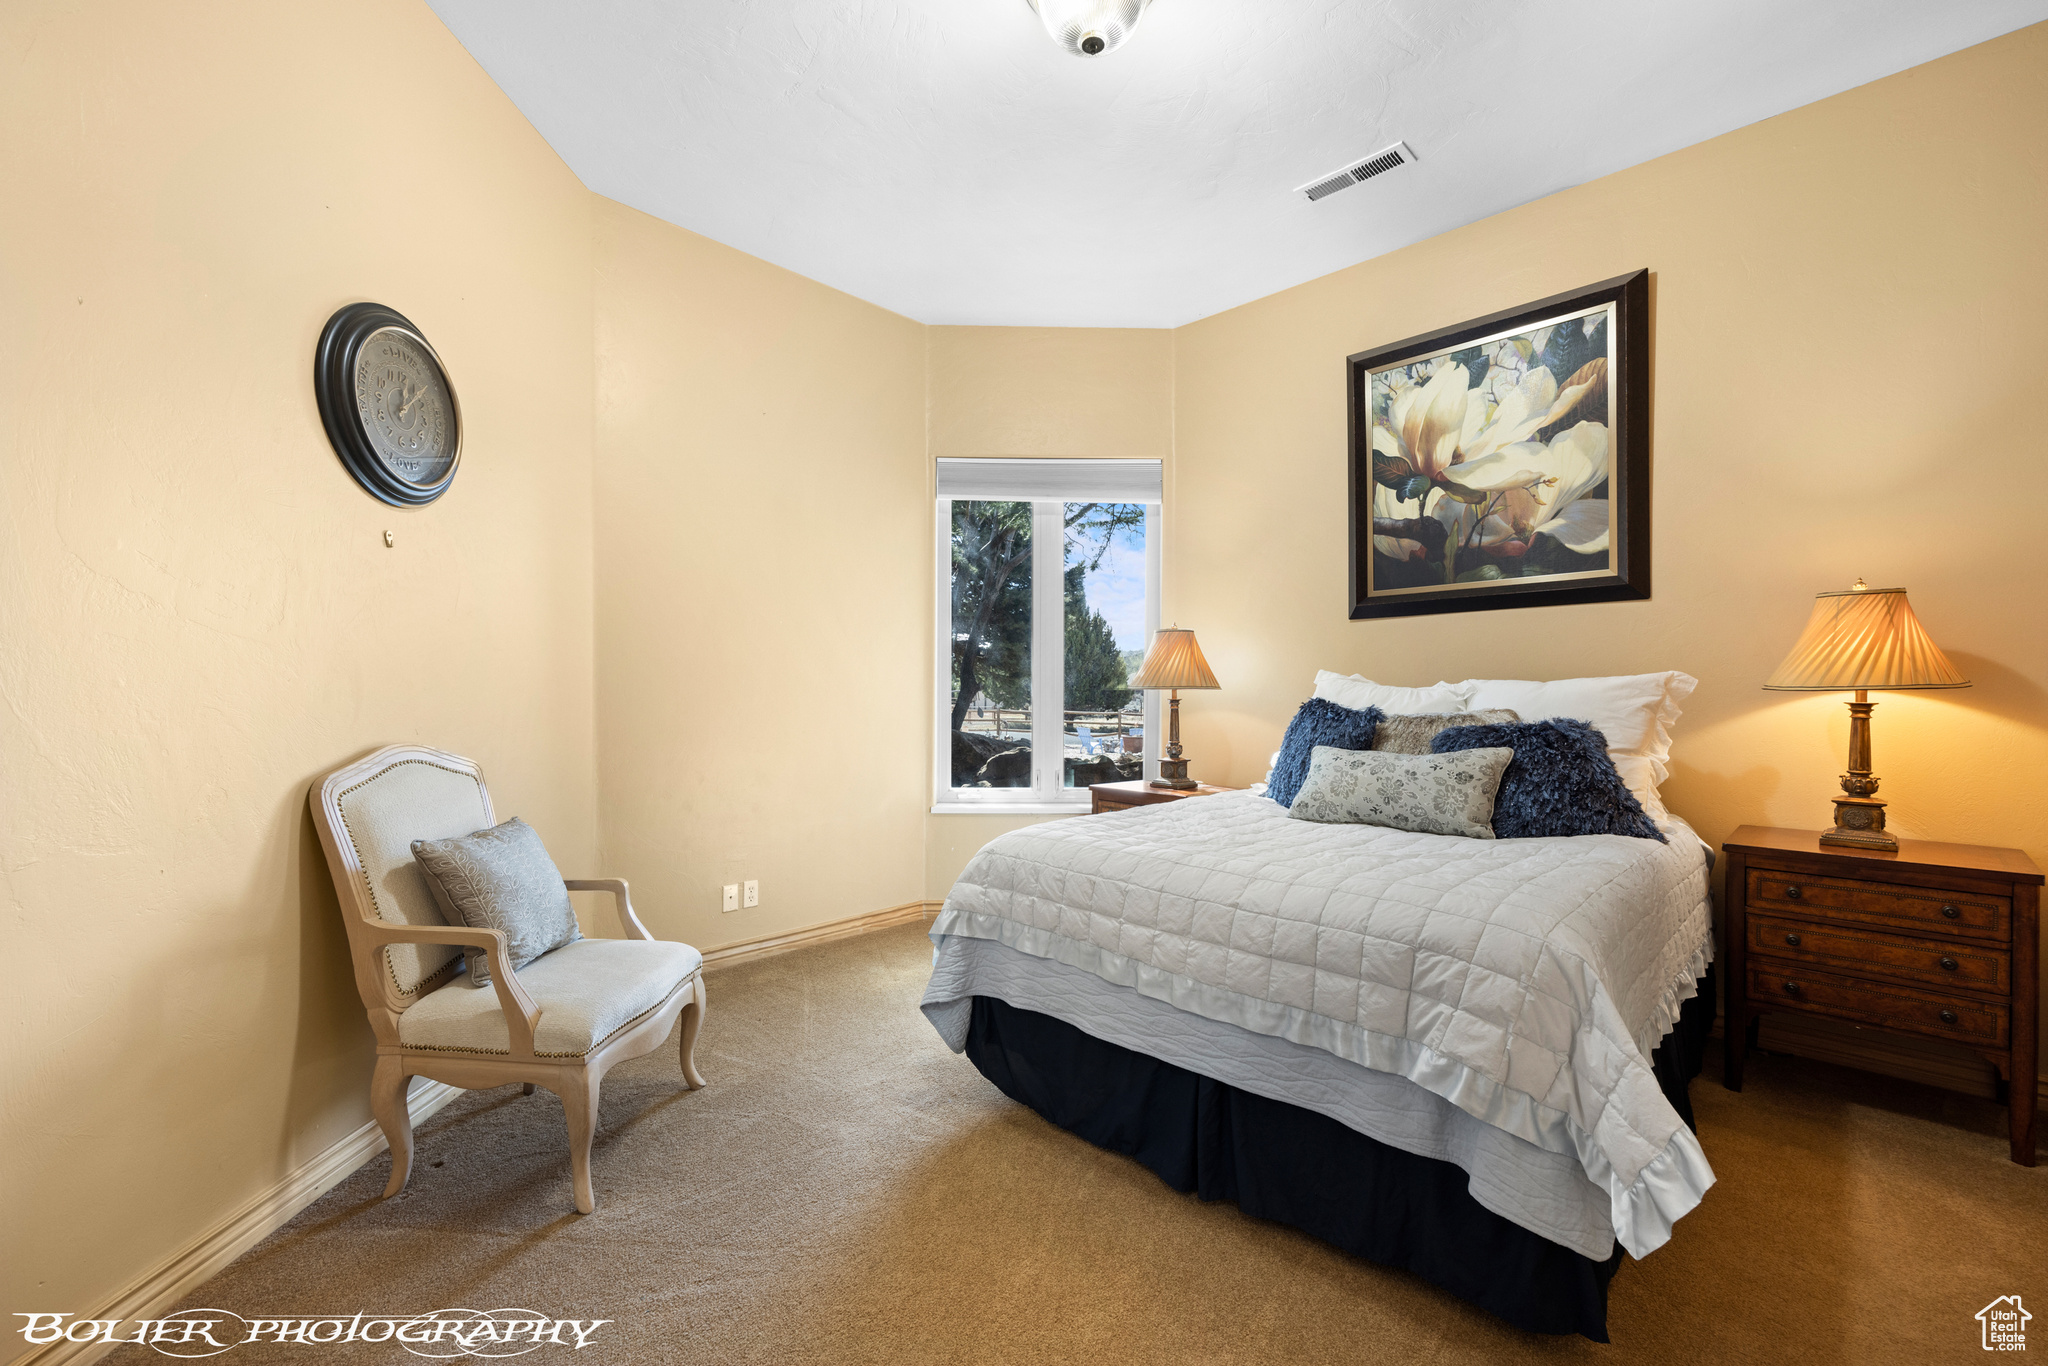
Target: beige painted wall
{"points": [[762, 522], [1034, 391], [1848, 370], [200, 613]]}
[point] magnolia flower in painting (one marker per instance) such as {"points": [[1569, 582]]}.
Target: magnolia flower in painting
{"points": [[1456, 438], [1424, 423], [1497, 418], [1573, 463]]}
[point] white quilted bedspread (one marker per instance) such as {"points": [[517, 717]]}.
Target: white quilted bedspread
{"points": [[1525, 981]]}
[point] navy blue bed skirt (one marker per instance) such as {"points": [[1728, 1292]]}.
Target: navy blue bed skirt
{"points": [[1281, 1162]]}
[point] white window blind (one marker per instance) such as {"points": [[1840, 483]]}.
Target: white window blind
{"points": [[1073, 481]]}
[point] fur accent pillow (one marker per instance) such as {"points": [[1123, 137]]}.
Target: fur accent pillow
{"points": [[500, 879], [1434, 794], [1635, 712], [1412, 734], [1560, 783], [1317, 723]]}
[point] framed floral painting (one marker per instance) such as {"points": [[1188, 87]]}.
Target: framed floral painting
{"points": [[1505, 462]]}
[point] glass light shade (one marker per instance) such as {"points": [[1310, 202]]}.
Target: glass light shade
{"points": [[1175, 661], [1089, 28], [1864, 638]]}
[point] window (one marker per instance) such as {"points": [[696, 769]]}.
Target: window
{"points": [[1048, 588]]}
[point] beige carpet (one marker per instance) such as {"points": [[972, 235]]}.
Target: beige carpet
{"points": [[848, 1191]]}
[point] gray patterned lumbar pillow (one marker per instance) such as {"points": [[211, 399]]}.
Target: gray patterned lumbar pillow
{"points": [[500, 879], [1404, 791], [1412, 734]]}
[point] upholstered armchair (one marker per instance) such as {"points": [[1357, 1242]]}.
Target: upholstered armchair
{"points": [[561, 1022]]}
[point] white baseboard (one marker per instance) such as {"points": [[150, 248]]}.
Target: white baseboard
{"points": [[745, 950], [206, 1255]]}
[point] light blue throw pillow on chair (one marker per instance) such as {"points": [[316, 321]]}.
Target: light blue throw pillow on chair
{"points": [[500, 879]]}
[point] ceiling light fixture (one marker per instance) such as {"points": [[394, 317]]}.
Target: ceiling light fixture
{"points": [[1089, 28]]}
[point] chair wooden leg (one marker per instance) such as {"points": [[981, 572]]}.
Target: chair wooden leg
{"points": [[692, 1021], [579, 1102], [387, 1103], [526, 1089]]}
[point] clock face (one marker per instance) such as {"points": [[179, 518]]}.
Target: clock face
{"points": [[389, 410], [403, 403]]}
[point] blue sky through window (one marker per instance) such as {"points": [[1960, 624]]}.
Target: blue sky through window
{"points": [[1116, 587]]}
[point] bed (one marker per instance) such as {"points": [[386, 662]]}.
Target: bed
{"points": [[1466, 1058]]}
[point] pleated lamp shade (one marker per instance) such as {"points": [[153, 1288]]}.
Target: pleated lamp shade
{"points": [[1864, 638], [1175, 661]]}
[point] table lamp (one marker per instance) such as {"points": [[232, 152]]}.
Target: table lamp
{"points": [[1863, 638], [1174, 662]]}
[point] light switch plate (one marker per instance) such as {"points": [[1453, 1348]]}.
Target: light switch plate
{"points": [[732, 897], [750, 897]]}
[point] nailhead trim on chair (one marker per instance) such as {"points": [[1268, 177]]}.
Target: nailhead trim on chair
{"points": [[595, 1045], [446, 972]]}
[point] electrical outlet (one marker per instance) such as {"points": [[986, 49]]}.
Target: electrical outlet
{"points": [[732, 897], [751, 896]]}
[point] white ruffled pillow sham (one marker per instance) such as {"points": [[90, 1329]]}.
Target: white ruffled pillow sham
{"points": [[1357, 693], [1634, 711]]}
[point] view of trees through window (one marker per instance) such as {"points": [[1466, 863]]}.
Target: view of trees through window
{"points": [[1102, 595]]}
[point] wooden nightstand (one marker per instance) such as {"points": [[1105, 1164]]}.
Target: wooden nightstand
{"points": [[1123, 796], [1941, 940]]}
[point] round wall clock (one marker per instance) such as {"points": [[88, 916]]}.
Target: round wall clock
{"points": [[387, 405]]}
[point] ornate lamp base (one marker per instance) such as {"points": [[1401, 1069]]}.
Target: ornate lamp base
{"points": [[1859, 815], [1859, 824], [1173, 770]]}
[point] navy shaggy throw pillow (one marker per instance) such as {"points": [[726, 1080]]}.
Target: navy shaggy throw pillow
{"points": [[1317, 723], [1560, 782]]}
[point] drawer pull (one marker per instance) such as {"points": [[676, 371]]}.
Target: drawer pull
{"points": [[1792, 988], [1952, 912], [1791, 894], [1948, 965], [1948, 1017], [1793, 940]]}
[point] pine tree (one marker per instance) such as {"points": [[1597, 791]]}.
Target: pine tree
{"points": [[991, 605], [1096, 677], [991, 554]]}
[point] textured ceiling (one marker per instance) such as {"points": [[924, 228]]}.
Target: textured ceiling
{"points": [[945, 159]]}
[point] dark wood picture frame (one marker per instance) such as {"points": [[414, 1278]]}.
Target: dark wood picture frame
{"points": [[1628, 462]]}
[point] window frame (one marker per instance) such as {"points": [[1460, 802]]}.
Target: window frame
{"points": [[1047, 794]]}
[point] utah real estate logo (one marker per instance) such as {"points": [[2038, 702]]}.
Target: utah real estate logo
{"points": [[2005, 1324]]}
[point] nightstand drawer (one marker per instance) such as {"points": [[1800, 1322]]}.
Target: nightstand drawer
{"points": [[1795, 986], [1955, 963], [1878, 903]]}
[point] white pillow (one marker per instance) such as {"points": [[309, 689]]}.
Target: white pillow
{"points": [[1640, 774], [1634, 711], [1350, 690]]}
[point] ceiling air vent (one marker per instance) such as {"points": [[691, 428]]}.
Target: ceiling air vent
{"points": [[1379, 163]]}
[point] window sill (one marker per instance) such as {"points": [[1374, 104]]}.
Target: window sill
{"points": [[1076, 808]]}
